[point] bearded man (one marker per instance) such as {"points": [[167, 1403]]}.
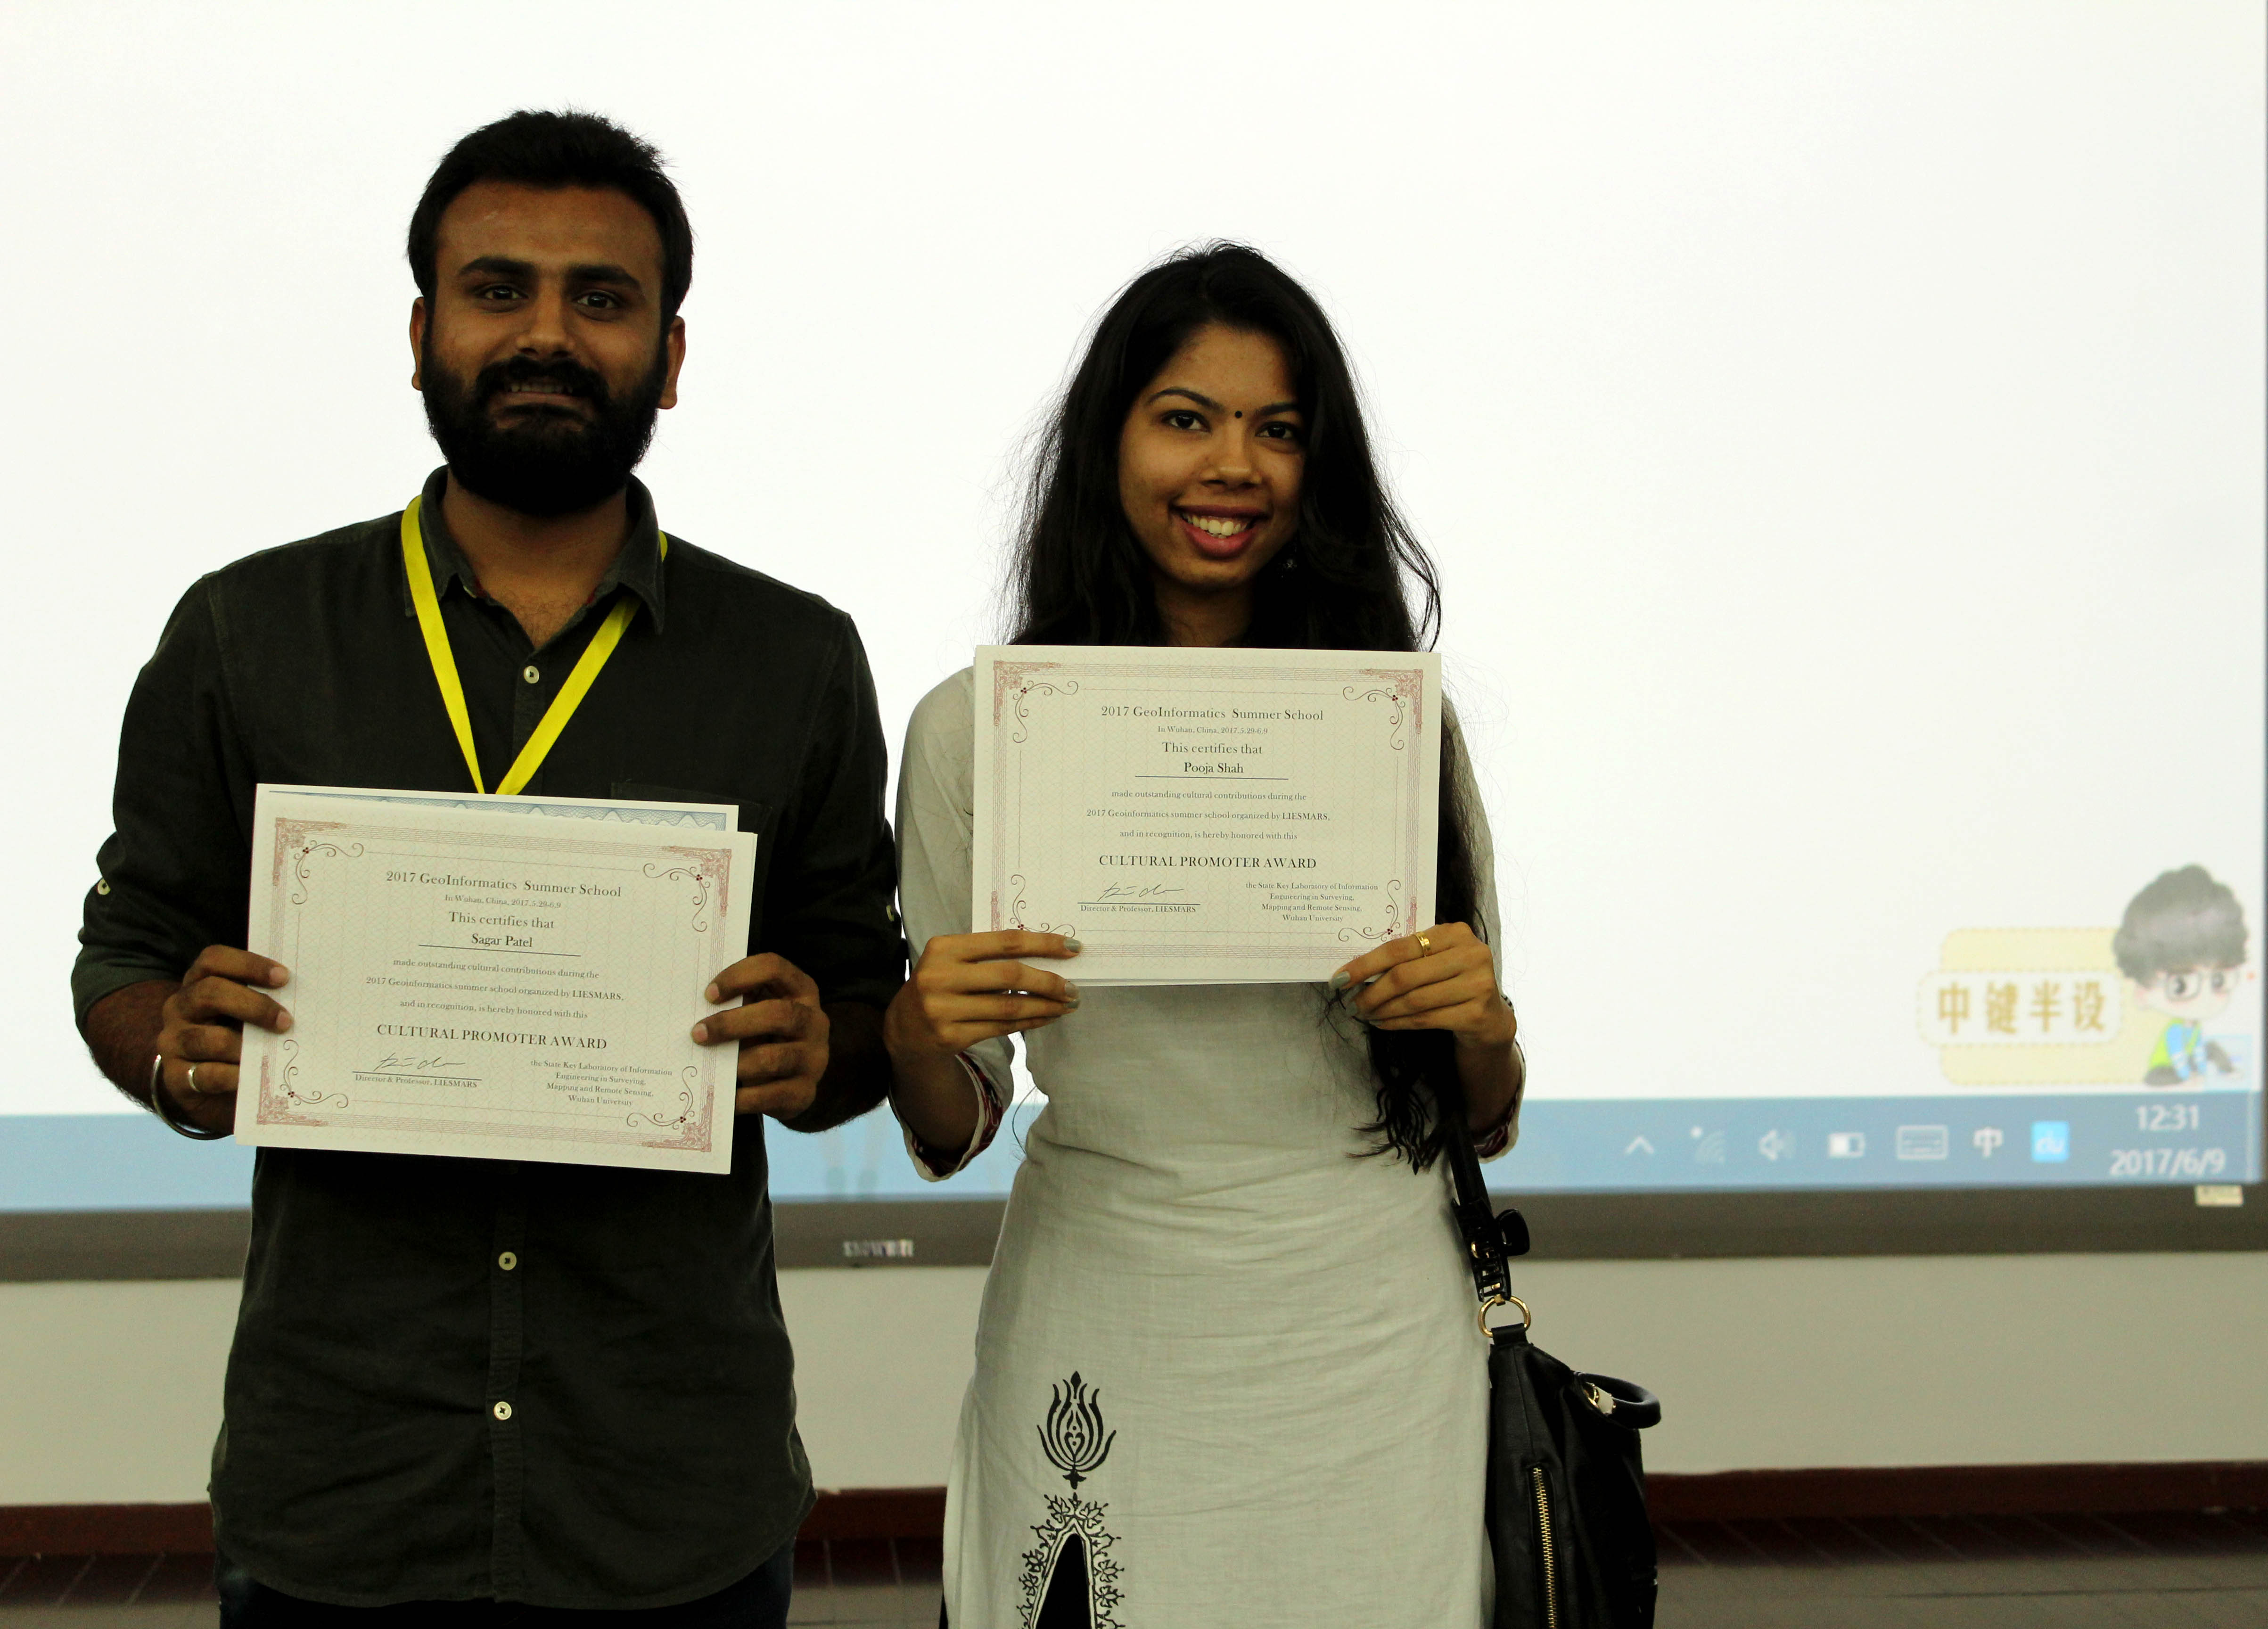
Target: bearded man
{"points": [[470, 1388]]}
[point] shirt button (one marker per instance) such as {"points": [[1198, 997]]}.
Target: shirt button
{"points": [[507, 1261], [502, 1411], [530, 674]]}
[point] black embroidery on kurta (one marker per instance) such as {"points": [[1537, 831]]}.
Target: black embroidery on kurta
{"points": [[1072, 1438], [1069, 1580]]}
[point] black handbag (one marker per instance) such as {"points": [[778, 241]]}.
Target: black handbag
{"points": [[1566, 1516]]}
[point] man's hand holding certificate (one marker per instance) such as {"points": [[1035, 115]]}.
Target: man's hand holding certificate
{"points": [[1207, 816], [511, 978]]}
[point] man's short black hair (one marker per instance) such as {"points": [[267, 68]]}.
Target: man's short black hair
{"points": [[2182, 920], [550, 150]]}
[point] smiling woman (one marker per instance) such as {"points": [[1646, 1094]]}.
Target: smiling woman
{"points": [[1215, 1162]]}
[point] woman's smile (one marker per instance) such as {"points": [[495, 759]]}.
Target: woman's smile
{"points": [[1221, 534]]}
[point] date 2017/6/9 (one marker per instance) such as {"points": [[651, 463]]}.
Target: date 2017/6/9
{"points": [[2175, 1164]]}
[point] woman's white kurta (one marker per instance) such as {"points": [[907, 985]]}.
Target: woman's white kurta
{"points": [[1268, 1395]]}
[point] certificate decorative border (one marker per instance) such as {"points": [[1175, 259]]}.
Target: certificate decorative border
{"points": [[284, 1100], [617, 812], [1014, 684]]}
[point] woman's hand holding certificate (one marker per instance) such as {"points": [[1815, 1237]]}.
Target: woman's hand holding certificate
{"points": [[1443, 978], [966, 988]]}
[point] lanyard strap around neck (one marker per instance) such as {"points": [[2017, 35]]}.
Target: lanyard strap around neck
{"points": [[452, 690]]}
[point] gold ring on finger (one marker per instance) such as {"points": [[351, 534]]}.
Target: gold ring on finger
{"points": [[1425, 945]]}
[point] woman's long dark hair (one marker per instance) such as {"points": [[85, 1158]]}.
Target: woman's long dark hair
{"points": [[1080, 577]]}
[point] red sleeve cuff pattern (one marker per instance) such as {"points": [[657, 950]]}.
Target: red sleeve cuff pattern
{"points": [[991, 1108], [1497, 1138]]}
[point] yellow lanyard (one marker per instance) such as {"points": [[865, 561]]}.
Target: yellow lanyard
{"points": [[452, 690]]}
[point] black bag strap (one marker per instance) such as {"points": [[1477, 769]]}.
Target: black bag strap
{"points": [[1491, 1241]]}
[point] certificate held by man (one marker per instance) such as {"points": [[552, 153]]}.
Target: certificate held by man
{"points": [[1206, 815], [495, 977]]}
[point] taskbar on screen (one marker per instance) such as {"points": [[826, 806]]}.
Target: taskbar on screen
{"points": [[2167, 1138]]}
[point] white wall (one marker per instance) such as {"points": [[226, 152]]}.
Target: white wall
{"points": [[110, 1392]]}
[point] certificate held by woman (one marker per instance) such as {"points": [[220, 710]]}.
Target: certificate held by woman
{"points": [[1206, 815]]}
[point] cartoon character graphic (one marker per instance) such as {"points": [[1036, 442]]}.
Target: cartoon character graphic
{"points": [[2181, 947]]}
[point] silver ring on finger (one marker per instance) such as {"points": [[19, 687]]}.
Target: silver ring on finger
{"points": [[195, 1089]]}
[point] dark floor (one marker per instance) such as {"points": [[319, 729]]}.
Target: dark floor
{"points": [[175, 1591], [865, 1581], [2137, 1571], [2130, 1572]]}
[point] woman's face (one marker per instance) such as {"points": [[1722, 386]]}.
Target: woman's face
{"points": [[1209, 466]]}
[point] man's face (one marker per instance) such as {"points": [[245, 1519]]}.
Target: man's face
{"points": [[2192, 994], [542, 354]]}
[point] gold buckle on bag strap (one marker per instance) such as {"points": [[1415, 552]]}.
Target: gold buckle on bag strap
{"points": [[1527, 1318]]}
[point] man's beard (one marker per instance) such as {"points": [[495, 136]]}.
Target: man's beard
{"points": [[544, 461]]}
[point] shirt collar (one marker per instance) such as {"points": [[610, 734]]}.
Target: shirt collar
{"points": [[637, 567]]}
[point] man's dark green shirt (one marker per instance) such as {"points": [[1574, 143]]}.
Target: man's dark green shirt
{"points": [[630, 1318]]}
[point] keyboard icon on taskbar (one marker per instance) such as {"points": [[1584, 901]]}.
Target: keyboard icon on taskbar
{"points": [[1924, 1142]]}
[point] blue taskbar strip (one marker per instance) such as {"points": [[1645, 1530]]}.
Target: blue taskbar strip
{"points": [[2114, 1139], [116, 1162], [129, 1161]]}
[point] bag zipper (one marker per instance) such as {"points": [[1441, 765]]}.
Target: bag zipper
{"points": [[1550, 1551]]}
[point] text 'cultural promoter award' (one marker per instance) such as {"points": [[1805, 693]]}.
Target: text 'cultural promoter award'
{"points": [[499, 977], [1207, 816]]}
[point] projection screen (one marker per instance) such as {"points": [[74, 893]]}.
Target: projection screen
{"points": [[1839, 427]]}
